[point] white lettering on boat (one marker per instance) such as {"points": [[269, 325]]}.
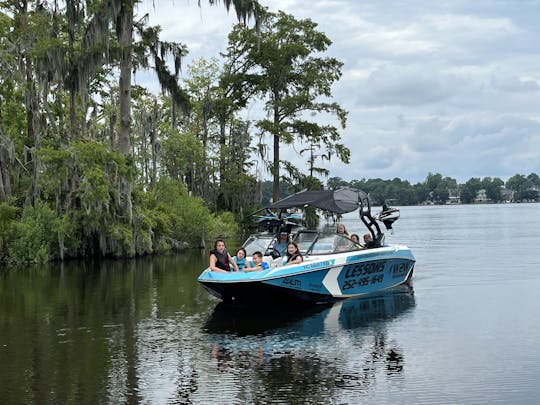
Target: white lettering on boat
{"points": [[311, 266]]}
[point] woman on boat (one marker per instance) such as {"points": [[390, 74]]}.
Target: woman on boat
{"points": [[341, 229], [220, 260], [240, 259], [356, 239], [293, 254]]}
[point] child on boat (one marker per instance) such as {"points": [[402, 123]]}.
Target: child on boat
{"points": [[240, 259], [293, 254], [258, 263]]}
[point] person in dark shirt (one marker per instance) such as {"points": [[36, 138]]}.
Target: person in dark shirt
{"points": [[368, 241], [220, 260], [293, 254]]}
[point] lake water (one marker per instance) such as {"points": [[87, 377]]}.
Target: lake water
{"points": [[143, 331]]}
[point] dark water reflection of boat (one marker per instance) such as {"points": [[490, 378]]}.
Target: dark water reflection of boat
{"points": [[328, 351], [310, 320]]}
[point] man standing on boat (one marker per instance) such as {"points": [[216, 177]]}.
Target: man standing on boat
{"points": [[280, 246]]}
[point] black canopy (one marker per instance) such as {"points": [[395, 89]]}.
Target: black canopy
{"points": [[338, 201]]}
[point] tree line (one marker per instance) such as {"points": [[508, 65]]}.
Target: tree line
{"points": [[437, 189], [92, 165]]}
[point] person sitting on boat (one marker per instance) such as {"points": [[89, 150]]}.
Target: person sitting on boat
{"points": [[280, 246], [240, 259], [293, 254], [258, 263], [220, 260], [368, 241], [342, 230], [356, 239], [343, 243]]}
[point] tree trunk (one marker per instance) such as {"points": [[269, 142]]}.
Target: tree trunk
{"points": [[7, 150], [31, 106], [154, 119], [72, 115], [5, 183], [275, 170], [222, 152], [124, 138], [275, 167], [3, 194]]}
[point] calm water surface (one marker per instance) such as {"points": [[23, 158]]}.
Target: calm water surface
{"points": [[466, 332]]}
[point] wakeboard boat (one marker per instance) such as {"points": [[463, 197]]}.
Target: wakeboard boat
{"points": [[334, 267]]}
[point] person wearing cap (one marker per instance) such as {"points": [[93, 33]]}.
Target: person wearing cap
{"points": [[280, 245]]}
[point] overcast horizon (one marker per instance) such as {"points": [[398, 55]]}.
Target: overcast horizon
{"points": [[450, 88]]}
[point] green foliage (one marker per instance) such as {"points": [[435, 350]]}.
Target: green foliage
{"points": [[33, 239], [396, 191], [523, 186], [282, 64], [493, 188], [518, 182], [84, 181], [240, 192], [120, 239], [8, 214], [181, 153], [189, 219], [534, 179]]}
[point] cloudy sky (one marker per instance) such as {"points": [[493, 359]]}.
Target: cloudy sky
{"points": [[450, 87]]}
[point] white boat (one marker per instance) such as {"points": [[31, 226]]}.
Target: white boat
{"points": [[334, 267]]}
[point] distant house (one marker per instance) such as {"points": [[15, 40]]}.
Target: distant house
{"points": [[453, 196], [507, 195], [481, 197]]}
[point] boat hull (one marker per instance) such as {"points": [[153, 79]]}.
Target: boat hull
{"points": [[319, 279]]}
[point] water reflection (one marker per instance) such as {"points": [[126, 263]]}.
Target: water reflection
{"points": [[139, 332], [310, 320], [308, 353]]}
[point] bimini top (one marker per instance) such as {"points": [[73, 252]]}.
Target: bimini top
{"points": [[339, 201]]}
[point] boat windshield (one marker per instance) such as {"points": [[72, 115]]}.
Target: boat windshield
{"points": [[257, 242], [324, 243], [305, 239]]}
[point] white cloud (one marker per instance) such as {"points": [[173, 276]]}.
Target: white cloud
{"points": [[404, 85]]}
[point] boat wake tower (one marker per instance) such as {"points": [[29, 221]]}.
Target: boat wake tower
{"points": [[340, 201]]}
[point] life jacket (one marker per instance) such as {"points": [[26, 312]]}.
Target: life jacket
{"points": [[241, 263], [222, 261]]}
